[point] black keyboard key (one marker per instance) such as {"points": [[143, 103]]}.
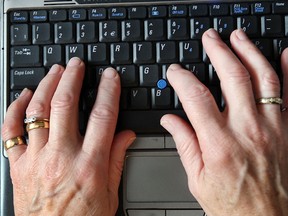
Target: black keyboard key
{"points": [[145, 121], [19, 17], [109, 31], [249, 24], [57, 15], [198, 10], [157, 11], [154, 30], [199, 70], [224, 26], [97, 14], [272, 26], [14, 95], [38, 16], [41, 33], [20, 34], [161, 98], [97, 54], [77, 14], [52, 55], [265, 46], [116, 13], [143, 53], [129, 75], [198, 26], [189, 51], [137, 12], [74, 50], [149, 75], [177, 29], [280, 7], [219, 9], [87, 32], [240, 9], [26, 78], [120, 53], [178, 11], [166, 52], [64, 33], [25, 56], [139, 98], [279, 46], [261, 8], [132, 30]]}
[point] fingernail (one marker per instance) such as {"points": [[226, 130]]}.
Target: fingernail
{"points": [[174, 67], [167, 125], [55, 69], [241, 34], [74, 61], [24, 92], [109, 73], [212, 33]]}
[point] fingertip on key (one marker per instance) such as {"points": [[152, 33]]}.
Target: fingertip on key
{"points": [[75, 61]]}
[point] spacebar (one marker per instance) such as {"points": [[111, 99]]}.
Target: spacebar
{"points": [[143, 122]]}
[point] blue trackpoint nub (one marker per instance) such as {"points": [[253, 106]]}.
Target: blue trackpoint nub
{"points": [[162, 84]]}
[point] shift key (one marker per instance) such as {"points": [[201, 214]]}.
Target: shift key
{"points": [[26, 78], [25, 56]]}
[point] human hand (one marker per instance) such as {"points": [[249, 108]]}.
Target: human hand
{"points": [[237, 160], [60, 172]]}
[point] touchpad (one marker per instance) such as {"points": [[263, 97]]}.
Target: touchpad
{"points": [[156, 178]]}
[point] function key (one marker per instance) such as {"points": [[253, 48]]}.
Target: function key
{"points": [[261, 8], [38, 16], [240, 9], [280, 7], [219, 10], [177, 11], [19, 16], [117, 13], [77, 14], [137, 12], [97, 14], [57, 15], [198, 10], [157, 11]]}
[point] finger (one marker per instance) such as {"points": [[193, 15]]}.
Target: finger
{"points": [[64, 105], [235, 80], [39, 107], [196, 99], [187, 146], [284, 62], [102, 121], [264, 79], [118, 150], [13, 124]]}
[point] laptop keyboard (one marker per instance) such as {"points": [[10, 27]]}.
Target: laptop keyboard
{"points": [[140, 42]]}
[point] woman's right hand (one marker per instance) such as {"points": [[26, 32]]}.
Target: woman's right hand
{"points": [[237, 160]]}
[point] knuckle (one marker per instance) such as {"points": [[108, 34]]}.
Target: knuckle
{"points": [[63, 101], [36, 108], [103, 112], [199, 93], [238, 75], [271, 80]]}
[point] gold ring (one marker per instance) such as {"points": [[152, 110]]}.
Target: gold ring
{"points": [[37, 124], [10, 143], [270, 100]]}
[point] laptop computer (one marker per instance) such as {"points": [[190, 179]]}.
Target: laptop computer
{"points": [[151, 35]]}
